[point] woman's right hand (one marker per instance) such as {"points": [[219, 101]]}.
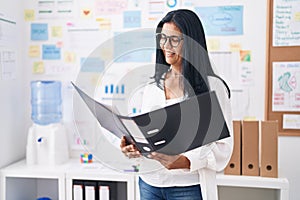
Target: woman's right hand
{"points": [[129, 151]]}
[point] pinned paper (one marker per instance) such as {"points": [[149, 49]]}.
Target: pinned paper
{"points": [[104, 23], [56, 31], [286, 18], [8, 66], [245, 55], [291, 121], [29, 15], [39, 32], [297, 16], [51, 52], [132, 19], [86, 13], [38, 68], [285, 93], [235, 47], [34, 51], [213, 44], [69, 57], [110, 7], [59, 44], [221, 20]]}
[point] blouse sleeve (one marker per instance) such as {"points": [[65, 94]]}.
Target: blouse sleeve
{"points": [[216, 155]]}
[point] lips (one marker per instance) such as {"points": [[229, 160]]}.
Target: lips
{"points": [[169, 54]]}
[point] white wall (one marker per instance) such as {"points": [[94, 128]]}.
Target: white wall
{"points": [[12, 108]]}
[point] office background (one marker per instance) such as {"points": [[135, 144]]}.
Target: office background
{"points": [[48, 40]]}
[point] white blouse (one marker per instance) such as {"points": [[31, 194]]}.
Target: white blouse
{"points": [[206, 160]]}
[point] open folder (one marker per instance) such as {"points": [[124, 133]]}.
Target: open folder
{"points": [[171, 130]]}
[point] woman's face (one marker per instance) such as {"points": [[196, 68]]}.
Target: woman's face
{"points": [[173, 53]]}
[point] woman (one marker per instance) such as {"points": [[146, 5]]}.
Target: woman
{"points": [[183, 70]]}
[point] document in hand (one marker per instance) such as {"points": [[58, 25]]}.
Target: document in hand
{"points": [[170, 130]]}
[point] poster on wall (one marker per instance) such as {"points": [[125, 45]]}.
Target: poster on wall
{"points": [[8, 66], [8, 30], [221, 20], [286, 89], [55, 9], [286, 23]]}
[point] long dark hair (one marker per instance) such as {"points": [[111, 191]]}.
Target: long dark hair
{"points": [[196, 64]]}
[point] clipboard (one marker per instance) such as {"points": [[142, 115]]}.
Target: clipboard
{"points": [[171, 130]]}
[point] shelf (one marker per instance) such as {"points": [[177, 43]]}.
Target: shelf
{"points": [[97, 172], [280, 184], [252, 181], [33, 181], [21, 169]]}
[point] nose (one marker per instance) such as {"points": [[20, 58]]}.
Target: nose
{"points": [[168, 45]]}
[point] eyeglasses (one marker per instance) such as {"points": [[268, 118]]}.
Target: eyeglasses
{"points": [[174, 40]]}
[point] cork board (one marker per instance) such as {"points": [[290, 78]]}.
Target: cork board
{"points": [[277, 53]]}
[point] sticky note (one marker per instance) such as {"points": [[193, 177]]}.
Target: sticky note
{"points": [[104, 23], [86, 13], [34, 51], [29, 15], [297, 16], [69, 57], [235, 47], [245, 56], [132, 19], [38, 67], [213, 44], [56, 31], [39, 32], [51, 52]]}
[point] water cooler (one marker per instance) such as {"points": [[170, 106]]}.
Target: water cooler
{"points": [[47, 142]]}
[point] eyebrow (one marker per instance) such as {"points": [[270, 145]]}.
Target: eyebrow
{"points": [[172, 35]]}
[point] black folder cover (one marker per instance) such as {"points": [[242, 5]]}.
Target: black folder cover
{"points": [[170, 130]]}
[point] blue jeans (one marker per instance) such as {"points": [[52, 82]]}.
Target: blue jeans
{"points": [[148, 192]]}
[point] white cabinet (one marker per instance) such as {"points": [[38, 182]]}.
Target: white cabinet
{"points": [[242, 186], [19, 181]]}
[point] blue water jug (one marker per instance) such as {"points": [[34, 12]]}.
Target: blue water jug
{"points": [[46, 102]]}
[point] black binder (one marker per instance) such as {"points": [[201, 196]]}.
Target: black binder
{"points": [[171, 130]]}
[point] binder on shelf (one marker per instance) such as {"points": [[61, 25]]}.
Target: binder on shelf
{"points": [[104, 192], [250, 148], [78, 190], [90, 189], [165, 130], [269, 149], [234, 165]]}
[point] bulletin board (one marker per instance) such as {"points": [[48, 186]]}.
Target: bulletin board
{"points": [[282, 67]]}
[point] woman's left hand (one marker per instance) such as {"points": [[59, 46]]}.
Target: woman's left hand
{"points": [[171, 162]]}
